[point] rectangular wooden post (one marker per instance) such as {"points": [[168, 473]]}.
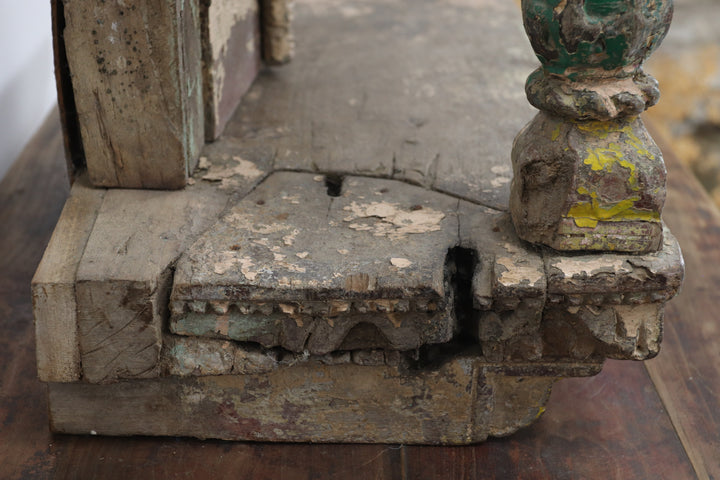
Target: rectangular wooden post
{"points": [[136, 74]]}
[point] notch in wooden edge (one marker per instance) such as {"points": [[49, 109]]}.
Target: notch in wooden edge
{"points": [[74, 152]]}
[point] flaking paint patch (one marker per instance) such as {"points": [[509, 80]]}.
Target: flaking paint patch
{"points": [[289, 239], [518, 272], [400, 262], [229, 175], [224, 16], [498, 182], [245, 264], [229, 261], [391, 220], [577, 267]]}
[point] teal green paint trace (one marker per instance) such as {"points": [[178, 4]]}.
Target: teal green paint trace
{"points": [[580, 39]]}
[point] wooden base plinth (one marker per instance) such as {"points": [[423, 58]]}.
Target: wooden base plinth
{"points": [[464, 400]]}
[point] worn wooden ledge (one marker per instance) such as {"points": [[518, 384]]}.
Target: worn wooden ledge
{"points": [[660, 425]]}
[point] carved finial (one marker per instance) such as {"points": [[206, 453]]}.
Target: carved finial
{"points": [[588, 176]]}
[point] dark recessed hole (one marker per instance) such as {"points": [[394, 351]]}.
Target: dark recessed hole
{"points": [[334, 182], [460, 264]]}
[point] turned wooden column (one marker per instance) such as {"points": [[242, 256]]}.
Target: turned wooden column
{"points": [[587, 174]]}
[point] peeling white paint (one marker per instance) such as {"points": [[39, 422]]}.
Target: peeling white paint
{"points": [[577, 267], [394, 221], [289, 239], [236, 167], [519, 272], [245, 264], [500, 181], [400, 262]]}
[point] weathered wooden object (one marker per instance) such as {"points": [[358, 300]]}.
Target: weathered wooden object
{"points": [[137, 82], [54, 287], [588, 176], [231, 58], [278, 43], [143, 86], [341, 267]]}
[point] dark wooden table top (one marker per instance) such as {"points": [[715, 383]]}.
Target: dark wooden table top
{"points": [[658, 419]]}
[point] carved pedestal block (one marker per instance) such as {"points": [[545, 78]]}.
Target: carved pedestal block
{"points": [[588, 185]]}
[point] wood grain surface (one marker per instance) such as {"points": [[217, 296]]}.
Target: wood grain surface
{"points": [[144, 59], [687, 372], [612, 426]]}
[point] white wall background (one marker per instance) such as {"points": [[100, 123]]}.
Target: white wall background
{"points": [[27, 84]]}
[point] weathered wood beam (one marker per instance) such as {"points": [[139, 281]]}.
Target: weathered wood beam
{"points": [[54, 290], [310, 402], [124, 276], [136, 76]]}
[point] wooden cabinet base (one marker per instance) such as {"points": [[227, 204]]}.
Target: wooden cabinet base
{"points": [[342, 265], [460, 401]]}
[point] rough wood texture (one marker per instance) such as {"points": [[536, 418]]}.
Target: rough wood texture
{"points": [[53, 287], [687, 372], [123, 279], [326, 273], [580, 436], [231, 58], [588, 185], [417, 116], [310, 402], [137, 81], [509, 286], [294, 266]]}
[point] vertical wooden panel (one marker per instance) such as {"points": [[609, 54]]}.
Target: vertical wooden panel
{"points": [[231, 58], [136, 74]]}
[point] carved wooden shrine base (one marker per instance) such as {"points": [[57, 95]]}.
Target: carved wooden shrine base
{"points": [[342, 266]]}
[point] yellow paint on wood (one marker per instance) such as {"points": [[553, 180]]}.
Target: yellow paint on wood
{"points": [[556, 132], [604, 158], [588, 214]]}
